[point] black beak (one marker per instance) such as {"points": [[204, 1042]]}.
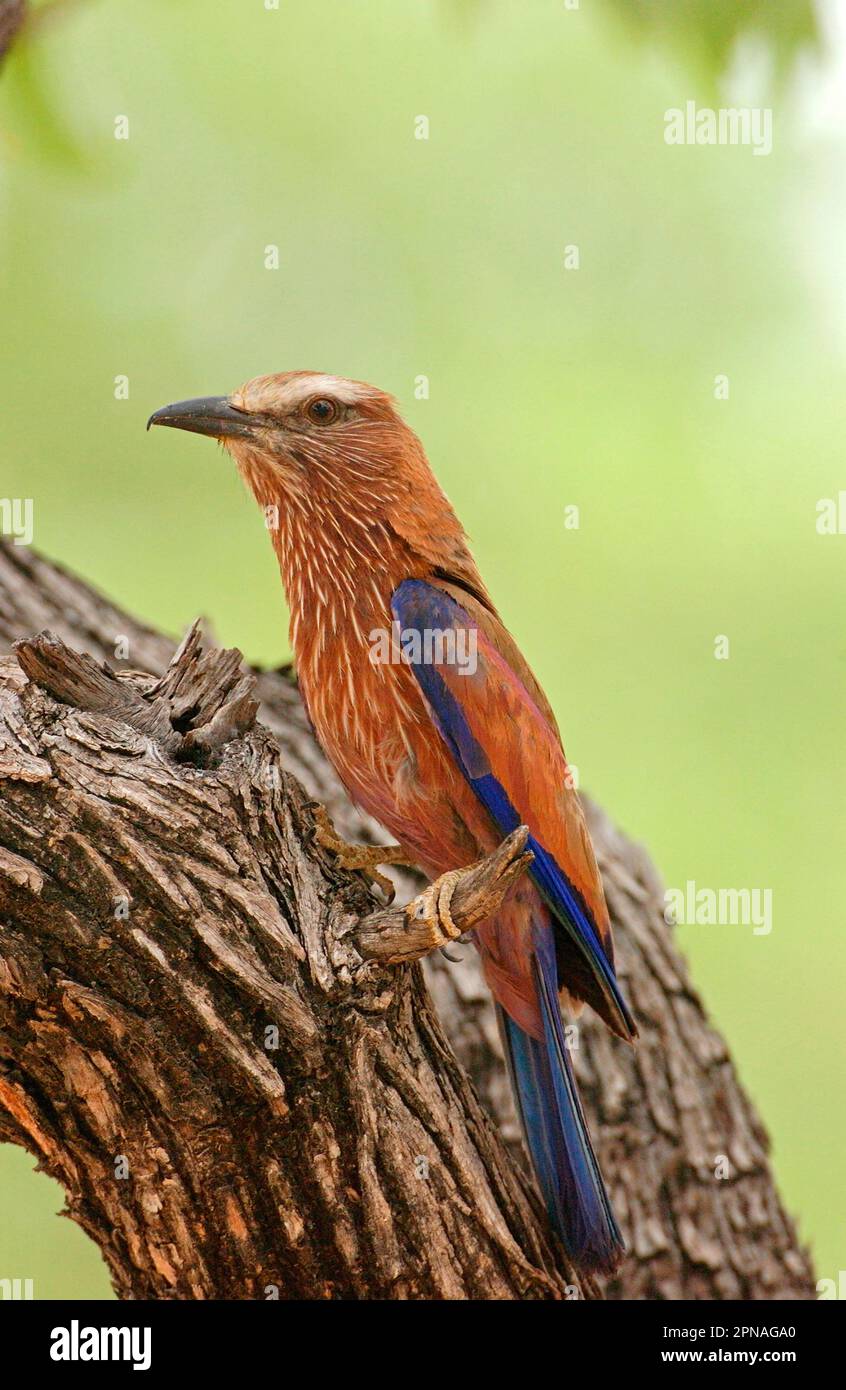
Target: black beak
{"points": [[206, 415]]}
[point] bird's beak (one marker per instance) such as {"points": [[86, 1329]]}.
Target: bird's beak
{"points": [[212, 415]]}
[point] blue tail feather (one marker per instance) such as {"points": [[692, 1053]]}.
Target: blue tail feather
{"points": [[556, 1132]]}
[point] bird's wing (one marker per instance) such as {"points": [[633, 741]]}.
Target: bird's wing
{"points": [[511, 756]]}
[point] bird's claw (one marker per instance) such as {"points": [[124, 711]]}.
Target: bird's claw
{"points": [[432, 906], [359, 858]]}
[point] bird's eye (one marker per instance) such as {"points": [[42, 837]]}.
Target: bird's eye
{"points": [[322, 411]]}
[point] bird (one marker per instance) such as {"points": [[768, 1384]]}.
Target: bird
{"points": [[444, 736]]}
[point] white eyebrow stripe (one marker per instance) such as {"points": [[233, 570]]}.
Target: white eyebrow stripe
{"points": [[349, 392]]}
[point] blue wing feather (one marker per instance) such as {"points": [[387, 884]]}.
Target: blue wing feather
{"points": [[420, 607], [540, 1068]]}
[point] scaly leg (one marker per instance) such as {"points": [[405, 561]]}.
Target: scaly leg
{"points": [[365, 858]]}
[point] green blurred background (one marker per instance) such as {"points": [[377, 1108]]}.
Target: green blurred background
{"points": [[398, 257]]}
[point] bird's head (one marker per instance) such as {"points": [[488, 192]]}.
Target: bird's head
{"points": [[344, 482], [305, 435]]}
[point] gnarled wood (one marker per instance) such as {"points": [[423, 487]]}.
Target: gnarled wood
{"points": [[235, 1100], [397, 936], [233, 1097]]}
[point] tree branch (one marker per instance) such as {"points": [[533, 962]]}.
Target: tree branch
{"points": [[397, 936], [196, 1038]]}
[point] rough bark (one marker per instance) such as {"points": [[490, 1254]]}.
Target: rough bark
{"points": [[185, 999]]}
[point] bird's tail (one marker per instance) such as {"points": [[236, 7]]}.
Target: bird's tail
{"points": [[556, 1132]]}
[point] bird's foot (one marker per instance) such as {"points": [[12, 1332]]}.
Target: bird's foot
{"points": [[362, 858], [446, 909], [432, 907]]}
